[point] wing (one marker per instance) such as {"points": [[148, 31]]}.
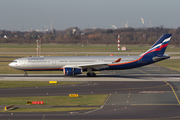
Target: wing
{"points": [[94, 65], [97, 65]]}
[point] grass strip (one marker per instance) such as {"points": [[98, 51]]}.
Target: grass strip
{"points": [[77, 48], [170, 63], [51, 109], [19, 84], [90, 100], [68, 48]]}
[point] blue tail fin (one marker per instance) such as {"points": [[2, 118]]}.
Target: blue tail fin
{"points": [[159, 46]]}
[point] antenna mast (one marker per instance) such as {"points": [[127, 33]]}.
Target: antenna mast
{"points": [[38, 47], [118, 42]]}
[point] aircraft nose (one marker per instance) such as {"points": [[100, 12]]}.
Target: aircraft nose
{"points": [[10, 64]]}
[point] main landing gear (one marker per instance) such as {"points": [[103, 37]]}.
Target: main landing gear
{"points": [[25, 74], [90, 73]]}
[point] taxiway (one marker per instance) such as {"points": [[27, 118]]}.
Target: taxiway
{"points": [[147, 92]]}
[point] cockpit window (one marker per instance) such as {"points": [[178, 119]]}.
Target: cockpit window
{"points": [[14, 61]]}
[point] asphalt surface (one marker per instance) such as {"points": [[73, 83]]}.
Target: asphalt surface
{"points": [[82, 53], [146, 73], [147, 92]]}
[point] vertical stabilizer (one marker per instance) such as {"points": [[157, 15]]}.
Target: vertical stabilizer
{"points": [[159, 46]]}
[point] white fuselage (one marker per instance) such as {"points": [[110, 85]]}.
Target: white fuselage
{"points": [[59, 62]]}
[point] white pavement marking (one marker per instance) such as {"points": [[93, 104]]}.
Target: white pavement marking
{"points": [[105, 77], [84, 79], [101, 106], [72, 79], [31, 78], [174, 77]]}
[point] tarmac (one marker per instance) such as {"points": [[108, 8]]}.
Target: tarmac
{"points": [[146, 73], [126, 53], [150, 92]]}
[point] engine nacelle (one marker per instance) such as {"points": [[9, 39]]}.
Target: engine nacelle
{"points": [[72, 71]]}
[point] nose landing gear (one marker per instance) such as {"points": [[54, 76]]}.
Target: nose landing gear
{"points": [[25, 74]]}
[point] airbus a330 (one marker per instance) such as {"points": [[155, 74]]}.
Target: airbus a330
{"points": [[73, 65]]}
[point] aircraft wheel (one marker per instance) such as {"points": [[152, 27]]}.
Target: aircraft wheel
{"points": [[93, 74], [89, 74], [25, 75]]}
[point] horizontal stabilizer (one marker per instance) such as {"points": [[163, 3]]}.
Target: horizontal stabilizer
{"points": [[160, 58]]}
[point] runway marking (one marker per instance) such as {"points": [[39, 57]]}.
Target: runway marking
{"points": [[174, 117], [152, 92], [174, 78], [156, 91], [130, 88], [142, 71], [155, 104], [101, 106], [146, 87], [173, 91]]}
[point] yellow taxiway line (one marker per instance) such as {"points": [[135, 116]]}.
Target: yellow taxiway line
{"points": [[173, 91], [142, 71]]}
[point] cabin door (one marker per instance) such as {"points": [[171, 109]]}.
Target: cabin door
{"points": [[23, 61], [54, 61]]}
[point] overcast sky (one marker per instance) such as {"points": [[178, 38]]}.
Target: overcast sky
{"points": [[38, 14]]}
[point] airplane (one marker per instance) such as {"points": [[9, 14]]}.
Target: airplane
{"points": [[73, 65]]}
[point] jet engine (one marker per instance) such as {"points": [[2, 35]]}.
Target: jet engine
{"points": [[72, 71]]}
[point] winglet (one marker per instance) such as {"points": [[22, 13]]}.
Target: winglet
{"points": [[118, 60]]}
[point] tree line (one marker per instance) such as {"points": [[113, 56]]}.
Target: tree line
{"points": [[92, 36]]}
